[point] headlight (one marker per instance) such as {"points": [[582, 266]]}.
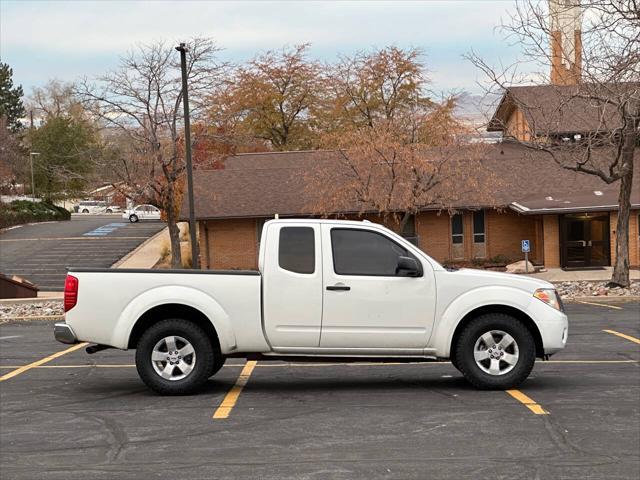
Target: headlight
{"points": [[550, 297]]}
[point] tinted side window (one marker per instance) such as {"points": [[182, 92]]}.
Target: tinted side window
{"points": [[360, 252], [296, 251]]}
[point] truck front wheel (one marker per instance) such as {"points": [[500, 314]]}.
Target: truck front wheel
{"points": [[174, 357], [495, 352]]}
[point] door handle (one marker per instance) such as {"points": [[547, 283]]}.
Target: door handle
{"points": [[340, 288]]}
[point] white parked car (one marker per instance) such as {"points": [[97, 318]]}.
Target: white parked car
{"points": [[325, 288], [113, 209], [92, 206], [97, 207], [142, 212]]}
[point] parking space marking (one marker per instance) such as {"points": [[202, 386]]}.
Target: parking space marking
{"points": [[42, 361], [527, 402], [614, 307], [622, 335], [231, 397]]}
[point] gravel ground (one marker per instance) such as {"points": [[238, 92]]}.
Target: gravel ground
{"points": [[595, 289], [567, 290], [36, 309]]}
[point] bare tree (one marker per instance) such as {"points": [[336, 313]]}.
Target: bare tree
{"points": [[589, 118], [141, 101]]}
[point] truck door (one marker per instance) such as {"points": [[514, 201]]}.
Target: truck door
{"points": [[367, 304], [292, 285]]}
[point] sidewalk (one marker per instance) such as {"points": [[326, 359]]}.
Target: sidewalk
{"points": [[559, 275], [147, 254]]}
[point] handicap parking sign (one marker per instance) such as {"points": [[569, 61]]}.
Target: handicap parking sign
{"points": [[526, 246]]}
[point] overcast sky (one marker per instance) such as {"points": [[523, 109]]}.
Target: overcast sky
{"points": [[69, 39]]}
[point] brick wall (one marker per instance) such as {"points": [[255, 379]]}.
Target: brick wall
{"points": [[506, 229], [435, 234], [231, 244], [551, 233], [634, 241]]}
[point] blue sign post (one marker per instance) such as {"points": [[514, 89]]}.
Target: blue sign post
{"points": [[526, 248]]}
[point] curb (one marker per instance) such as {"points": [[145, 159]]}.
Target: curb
{"points": [[31, 318], [19, 301], [603, 299], [137, 249]]}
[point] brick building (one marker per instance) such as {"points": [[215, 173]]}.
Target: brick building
{"points": [[569, 217]]}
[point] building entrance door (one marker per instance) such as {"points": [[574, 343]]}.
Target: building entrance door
{"points": [[584, 240]]}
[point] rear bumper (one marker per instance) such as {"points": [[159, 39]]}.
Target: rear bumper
{"points": [[64, 333]]}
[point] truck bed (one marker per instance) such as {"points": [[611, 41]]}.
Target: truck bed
{"points": [[110, 301]]}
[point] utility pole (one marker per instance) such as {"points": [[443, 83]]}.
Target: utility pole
{"points": [[33, 183], [195, 257]]}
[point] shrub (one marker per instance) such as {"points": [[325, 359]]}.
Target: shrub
{"points": [[25, 211]]}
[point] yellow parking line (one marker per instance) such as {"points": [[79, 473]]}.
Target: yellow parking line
{"points": [[622, 335], [231, 397], [527, 402], [23, 369], [600, 305]]}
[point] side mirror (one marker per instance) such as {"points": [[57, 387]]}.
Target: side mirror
{"points": [[408, 267]]}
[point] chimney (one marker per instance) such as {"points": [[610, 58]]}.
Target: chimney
{"points": [[565, 21]]}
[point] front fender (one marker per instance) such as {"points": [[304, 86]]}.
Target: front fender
{"points": [[460, 306], [174, 295]]}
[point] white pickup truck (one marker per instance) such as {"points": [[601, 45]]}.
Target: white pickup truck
{"points": [[324, 289]]}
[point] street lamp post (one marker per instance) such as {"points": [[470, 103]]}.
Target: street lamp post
{"points": [[195, 262], [33, 182]]}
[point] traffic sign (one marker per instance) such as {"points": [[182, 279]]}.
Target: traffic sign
{"points": [[526, 246]]}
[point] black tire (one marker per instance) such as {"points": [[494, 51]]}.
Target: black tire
{"points": [[217, 364], [85, 211], [109, 210], [464, 359], [133, 218], [205, 357]]}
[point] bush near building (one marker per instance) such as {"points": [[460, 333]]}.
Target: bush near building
{"points": [[25, 211]]}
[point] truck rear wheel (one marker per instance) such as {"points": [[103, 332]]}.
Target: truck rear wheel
{"points": [[175, 357], [495, 352]]}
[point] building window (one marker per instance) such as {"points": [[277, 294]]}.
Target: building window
{"points": [[409, 231], [478, 226], [479, 249], [457, 236], [296, 250], [457, 233]]}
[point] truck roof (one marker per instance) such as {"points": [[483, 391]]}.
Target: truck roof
{"points": [[318, 220]]}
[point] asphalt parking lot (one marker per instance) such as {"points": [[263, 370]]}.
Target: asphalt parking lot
{"points": [[79, 416], [42, 252]]}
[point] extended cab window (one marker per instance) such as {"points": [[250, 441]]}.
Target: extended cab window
{"points": [[296, 251], [362, 252]]}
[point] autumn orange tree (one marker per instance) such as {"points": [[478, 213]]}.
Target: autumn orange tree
{"points": [[392, 148], [270, 99]]}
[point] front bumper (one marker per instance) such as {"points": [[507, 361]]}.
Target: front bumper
{"points": [[554, 329], [64, 333]]}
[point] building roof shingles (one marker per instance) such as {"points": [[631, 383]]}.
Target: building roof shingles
{"points": [[265, 184]]}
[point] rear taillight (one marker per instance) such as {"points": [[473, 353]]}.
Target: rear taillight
{"points": [[70, 292]]}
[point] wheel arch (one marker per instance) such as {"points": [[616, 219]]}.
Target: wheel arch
{"points": [[503, 309], [173, 310]]}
